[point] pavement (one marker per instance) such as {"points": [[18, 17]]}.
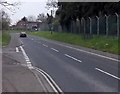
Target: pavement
{"points": [[16, 76]]}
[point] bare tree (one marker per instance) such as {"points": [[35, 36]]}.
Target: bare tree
{"points": [[31, 18], [4, 20], [41, 17], [6, 4], [4, 17], [10, 6], [52, 5]]}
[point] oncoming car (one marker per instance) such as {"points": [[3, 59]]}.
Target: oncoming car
{"points": [[23, 34]]}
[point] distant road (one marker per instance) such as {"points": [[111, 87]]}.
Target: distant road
{"points": [[72, 70]]}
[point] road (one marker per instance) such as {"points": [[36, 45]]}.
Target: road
{"points": [[73, 69]]}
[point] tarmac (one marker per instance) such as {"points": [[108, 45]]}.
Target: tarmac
{"points": [[16, 76]]}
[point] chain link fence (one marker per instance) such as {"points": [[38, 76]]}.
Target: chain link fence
{"points": [[106, 25]]}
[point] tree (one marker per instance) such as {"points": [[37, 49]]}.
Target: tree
{"points": [[31, 18], [41, 17], [70, 11], [4, 17], [6, 4], [50, 21], [9, 6], [4, 20], [52, 5]]}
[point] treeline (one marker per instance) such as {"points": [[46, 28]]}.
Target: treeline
{"points": [[71, 11], [4, 20]]}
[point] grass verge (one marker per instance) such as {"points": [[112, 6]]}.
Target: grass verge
{"points": [[5, 39], [106, 44]]}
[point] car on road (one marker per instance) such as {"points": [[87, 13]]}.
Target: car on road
{"points": [[23, 34]]}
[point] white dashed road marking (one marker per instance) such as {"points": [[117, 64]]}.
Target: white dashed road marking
{"points": [[21, 42], [52, 83], [44, 45], [26, 58], [54, 49], [95, 54], [110, 58], [72, 58], [107, 73], [17, 50]]}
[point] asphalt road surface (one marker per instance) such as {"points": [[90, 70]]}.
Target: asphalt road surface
{"points": [[73, 69]]}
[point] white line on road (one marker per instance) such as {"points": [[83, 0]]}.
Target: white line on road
{"points": [[107, 73], [29, 64], [72, 58], [21, 42], [94, 54], [42, 84], [54, 49], [89, 52], [47, 80], [27, 59], [44, 45], [46, 76], [17, 50]]}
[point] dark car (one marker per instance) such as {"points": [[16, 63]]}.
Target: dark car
{"points": [[23, 34]]}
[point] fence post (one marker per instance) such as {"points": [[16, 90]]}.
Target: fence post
{"points": [[117, 24], [84, 25], [90, 25], [71, 27], [83, 21], [78, 25], [106, 25], [98, 25]]}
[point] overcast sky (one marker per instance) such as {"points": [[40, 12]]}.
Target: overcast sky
{"points": [[33, 7], [27, 8]]}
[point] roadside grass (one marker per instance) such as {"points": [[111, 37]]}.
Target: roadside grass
{"points": [[0, 39], [106, 44], [14, 31], [5, 39]]}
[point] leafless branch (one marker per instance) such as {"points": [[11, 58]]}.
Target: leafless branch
{"points": [[9, 6]]}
